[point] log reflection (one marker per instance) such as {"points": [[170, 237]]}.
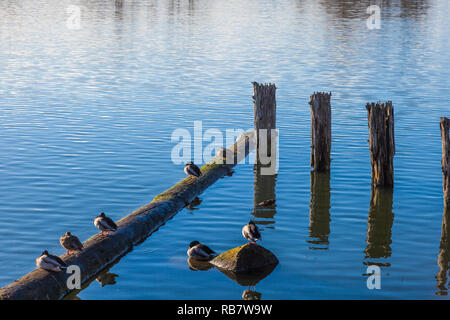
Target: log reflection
{"points": [[319, 213], [379, 225]]}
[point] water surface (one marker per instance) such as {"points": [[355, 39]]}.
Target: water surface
{"points": [[86, 118]]}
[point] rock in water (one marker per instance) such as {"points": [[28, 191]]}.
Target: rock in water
{"points": [[246, 258]]}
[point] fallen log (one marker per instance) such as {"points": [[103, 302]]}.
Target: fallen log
{"points": [[102, 251]]}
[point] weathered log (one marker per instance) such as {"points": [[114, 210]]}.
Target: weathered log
{"points": [[100, 252], [445, 126], [381, 143], [265, 110], [379, 224], [246, 258], [320, 131], [319, 213]]}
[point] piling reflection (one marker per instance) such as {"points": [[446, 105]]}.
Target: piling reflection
{"points": [[264, 189], [379, 225], [444, 255], [319, 213]]}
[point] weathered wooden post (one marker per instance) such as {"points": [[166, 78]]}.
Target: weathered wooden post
{"points": [[379, 224], [319, 213], [265, 118], [382, 143], [445, 126], [320, 131], [265, 168]]}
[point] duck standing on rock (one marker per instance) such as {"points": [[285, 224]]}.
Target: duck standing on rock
{"points": [[70, 243], [251, 232], [50, 262], [200, 251], [104, 223], [192, 170]]}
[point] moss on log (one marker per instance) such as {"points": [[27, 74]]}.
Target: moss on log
{"points": [[100, 251], [247, 258]]}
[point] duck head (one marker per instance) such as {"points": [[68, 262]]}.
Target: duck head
{"points": [[193, 244], [251, 222], [68, 233], [45, 253], [102, 214]]}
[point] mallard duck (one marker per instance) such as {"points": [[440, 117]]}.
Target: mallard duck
{"points": [[104, 223], [70, 242], [225, 155], [200, 251], [192, 170], [50, 262], [251, 232], [266, 203]]}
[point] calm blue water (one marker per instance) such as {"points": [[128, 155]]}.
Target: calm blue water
{"points": [[86, 118]]}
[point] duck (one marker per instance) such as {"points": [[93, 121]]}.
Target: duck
{"points": [[104, 223], [192, 170], [200, 251], [251, 232], [266, 203], [70, 242], [50, 262], [223, 154]]}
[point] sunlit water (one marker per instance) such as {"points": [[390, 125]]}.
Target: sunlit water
{"points": [[86, 118]]}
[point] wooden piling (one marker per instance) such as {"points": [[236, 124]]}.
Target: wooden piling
{"points": [[100, 252], [381, 143], [265, 110], [320, 131], [445, 126]]}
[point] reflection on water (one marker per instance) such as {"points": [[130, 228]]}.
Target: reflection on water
{"points": [[197, 265], [319, 212], [249, 279], [444, 255], [264, 189], [86, 118], [106, 278], [379, 225]]}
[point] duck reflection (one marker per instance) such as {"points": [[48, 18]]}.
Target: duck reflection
{"points": [[319, 213], [194, 204], [444, 255], [264, 195], [249, 294], [106, 278], [197, 265], [379, 226]]}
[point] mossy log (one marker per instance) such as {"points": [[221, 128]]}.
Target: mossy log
{"points": [[247, 258], [102, 251]]}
